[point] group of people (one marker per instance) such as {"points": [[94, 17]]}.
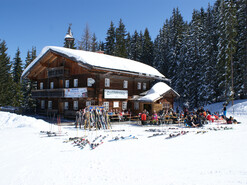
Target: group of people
{"points": [[191, 119], [146, 118]]}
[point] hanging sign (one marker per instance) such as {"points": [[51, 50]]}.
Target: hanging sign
{"points": [[115, 94], [75, 93]]}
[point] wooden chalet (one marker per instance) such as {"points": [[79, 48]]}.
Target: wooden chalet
{"points": [[69, 79]]}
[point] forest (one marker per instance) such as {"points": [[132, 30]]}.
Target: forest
{"points": [[205, 59]]}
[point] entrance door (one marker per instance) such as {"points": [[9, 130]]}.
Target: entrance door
{"points": [[148, 107], [60, 107], [61, 83]]}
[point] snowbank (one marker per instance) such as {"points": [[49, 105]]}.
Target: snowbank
{"points": [[239, 108], [11, 120]]}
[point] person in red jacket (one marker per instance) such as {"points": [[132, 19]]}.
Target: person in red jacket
{"points": [[144, 117]]}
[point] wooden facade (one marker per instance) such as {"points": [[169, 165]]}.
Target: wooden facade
{"points": [[59, 76]]}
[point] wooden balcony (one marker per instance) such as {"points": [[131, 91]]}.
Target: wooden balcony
{"points": [[44, 93]]}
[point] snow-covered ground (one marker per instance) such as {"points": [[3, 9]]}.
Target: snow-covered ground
{"points": [[215, 157]]}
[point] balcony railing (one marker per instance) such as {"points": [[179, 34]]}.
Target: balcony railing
{"points": [[61, 93], [55, 93], [57, 71]]}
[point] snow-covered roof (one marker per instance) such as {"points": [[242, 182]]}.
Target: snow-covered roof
{"points": [[157, 92], [96, 60]]}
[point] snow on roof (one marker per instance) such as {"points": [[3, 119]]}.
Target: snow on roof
{"points": [[156, 92], [100, 60], [68, 36]]}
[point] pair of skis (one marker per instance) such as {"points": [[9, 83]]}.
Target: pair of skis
{"points": [[53, 134], [120, 138], [173, 135]]}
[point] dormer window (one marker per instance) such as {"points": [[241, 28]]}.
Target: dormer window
{"points": [[107, 82], [125, 84], [144, 86], [139, 85]]}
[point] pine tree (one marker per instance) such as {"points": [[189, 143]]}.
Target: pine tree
{"points": [[94, 45], [210, 56], [231, 33], [227, 23], [17, 67], [110, 40], [28, 103], [17, 96], [120, 49], [5, 77], [136, 47], [220, 66], [240, 69], [176, 30], [128, 46], [147, 51]]}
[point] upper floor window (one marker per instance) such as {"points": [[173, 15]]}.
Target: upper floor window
{"points": [[52, 85], [75, 105], [144, 86], [106, 105], [125, 84], [42, 104], [66, 83], [75, 82], [41, 85], [90, 82], [139, 85], [49, 104], [66, 105], [136, 105], [124, 105], [107, 82]]}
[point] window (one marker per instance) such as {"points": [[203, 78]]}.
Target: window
{"points": [[42, 104], [75, 105], [115, 104], [139, 85], [66, 83], [90, 82], [52, 85], [75, 82], [124, 105], [49, 104], [106, 105], [66, 105], [166, 105], [41, 85], [125, 84], [136, 106], [144, 86], [107, 82], [88, 103]]}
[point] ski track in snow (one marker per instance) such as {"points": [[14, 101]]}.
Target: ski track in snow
{"points": [[28, 157]]}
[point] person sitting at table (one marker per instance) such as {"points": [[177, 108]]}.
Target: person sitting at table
{"points": [[144, 117], [120, 115], [110, 112], [155, 118]]}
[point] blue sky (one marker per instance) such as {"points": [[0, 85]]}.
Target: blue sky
{"points": [[27, 23]]}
